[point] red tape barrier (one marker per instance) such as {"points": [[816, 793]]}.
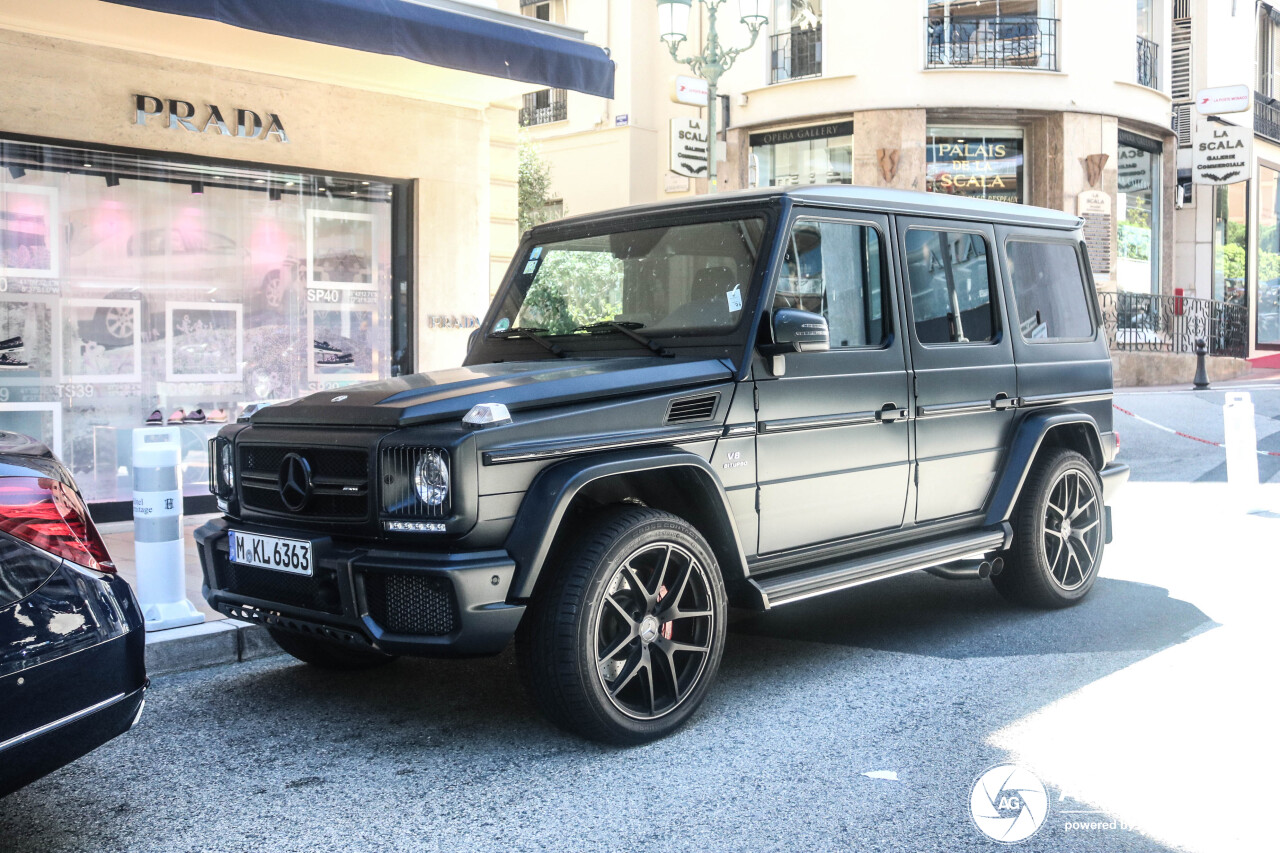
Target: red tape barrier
{"points": [[1183, 434]]}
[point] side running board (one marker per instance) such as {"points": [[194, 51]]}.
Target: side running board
{"points": [[842, 574]]}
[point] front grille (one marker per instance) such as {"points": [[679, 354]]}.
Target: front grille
{"points": [[319, 592], [411, 603], [339, 475]]}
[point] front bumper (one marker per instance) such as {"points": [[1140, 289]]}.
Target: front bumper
{"points": [[434, 604]]}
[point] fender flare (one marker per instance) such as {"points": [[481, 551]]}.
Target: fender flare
{"points": [[1030, 434], [552, 492]]}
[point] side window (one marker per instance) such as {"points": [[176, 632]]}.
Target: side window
{"points": [[950, 274], [1048, 285], [836, 269]]}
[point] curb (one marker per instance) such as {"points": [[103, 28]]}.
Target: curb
{"points": [[207, 644]]}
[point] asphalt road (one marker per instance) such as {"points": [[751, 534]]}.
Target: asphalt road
{"points": [[1154, 454], [1140, 706]]}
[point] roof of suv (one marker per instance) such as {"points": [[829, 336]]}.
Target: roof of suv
{"points": [[874, 199]]}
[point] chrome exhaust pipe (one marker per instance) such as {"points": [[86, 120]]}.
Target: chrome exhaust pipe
{"points": [[962, 570], [997, 565]]}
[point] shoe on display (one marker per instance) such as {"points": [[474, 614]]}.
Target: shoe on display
{"points": [[216, 416], [10, 363], [176, 416], [325, 346], [11, 344], [156, 418], [336, 358], [196, 417]]}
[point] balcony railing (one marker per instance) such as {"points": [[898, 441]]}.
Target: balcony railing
{"points": [[1009, 41], [544, 107], [796, 54], [1266, 116], [1142, 322], [1148, 63]]}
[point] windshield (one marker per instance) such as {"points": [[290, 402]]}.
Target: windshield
{"points": [[670, 281]]}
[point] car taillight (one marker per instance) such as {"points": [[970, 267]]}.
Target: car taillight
{"points": [[50, 515]]}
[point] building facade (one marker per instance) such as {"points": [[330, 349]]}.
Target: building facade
{"points": [[195, 216], [1059, 103]]}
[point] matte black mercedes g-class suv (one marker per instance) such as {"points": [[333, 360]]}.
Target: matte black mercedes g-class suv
{"points": [[750, 398]]}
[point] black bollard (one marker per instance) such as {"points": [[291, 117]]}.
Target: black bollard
{"points": [[1201, 382]]}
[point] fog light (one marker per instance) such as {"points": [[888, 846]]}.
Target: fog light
{"points": [[431, 478]]}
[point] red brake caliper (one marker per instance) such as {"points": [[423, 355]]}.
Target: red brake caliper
{"points": [[667, 628]]}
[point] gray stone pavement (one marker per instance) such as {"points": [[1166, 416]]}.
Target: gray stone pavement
{"points": [[1140, 705]]}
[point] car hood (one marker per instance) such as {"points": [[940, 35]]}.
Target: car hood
{"points": [[450, 394]]}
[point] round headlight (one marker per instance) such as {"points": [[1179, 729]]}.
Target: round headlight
{"points": [[431, 478], [224, 463]]}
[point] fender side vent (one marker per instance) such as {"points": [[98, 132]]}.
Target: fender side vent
{"points": [[689, 409]]}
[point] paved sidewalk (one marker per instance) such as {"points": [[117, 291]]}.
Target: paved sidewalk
{"points": [[118, 536], [1257, 378]]}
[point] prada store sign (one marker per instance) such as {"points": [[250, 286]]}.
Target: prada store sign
{"points": [[174, 114]]}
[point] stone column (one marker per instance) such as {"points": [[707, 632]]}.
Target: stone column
{"points": [[880, 137]]}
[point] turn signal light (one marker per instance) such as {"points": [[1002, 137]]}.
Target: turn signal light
{"points": [[51, 516]]}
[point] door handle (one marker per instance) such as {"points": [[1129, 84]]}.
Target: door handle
{"points": [[890, 412], [1003, 401]]}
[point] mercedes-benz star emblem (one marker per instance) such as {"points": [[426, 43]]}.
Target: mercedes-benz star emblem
{"points": [[295, 482]]}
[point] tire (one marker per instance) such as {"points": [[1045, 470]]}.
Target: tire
{"points": [[1045, 568], [327, 654], [596, 656]]}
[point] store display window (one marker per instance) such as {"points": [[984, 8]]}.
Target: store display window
{"points": [[1268, 257], [138, 292], [1138, 184], [820, 154]]}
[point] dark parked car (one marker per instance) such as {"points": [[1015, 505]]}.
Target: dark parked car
{"points": [[751, 398], [71, 635]]}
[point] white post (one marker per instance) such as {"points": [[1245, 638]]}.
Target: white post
{"points": [[1242, 450], [157, 530]]}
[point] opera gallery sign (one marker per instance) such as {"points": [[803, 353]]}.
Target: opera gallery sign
{"points": [[1221, 154], [183, 115]]}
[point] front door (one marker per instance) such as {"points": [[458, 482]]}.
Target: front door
{"points": [[832, 437], [965, 380]]}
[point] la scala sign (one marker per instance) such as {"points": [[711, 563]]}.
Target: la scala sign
{"points": [[1221, 154]]}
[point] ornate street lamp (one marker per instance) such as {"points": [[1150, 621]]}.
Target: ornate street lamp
{"points": [[714, 60]]}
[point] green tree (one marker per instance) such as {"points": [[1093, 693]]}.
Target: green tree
{"points": [[534, 185]]}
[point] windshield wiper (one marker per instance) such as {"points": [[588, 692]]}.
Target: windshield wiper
{"points": [[531, 333], [628, 329]]}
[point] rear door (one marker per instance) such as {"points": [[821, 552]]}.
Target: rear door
{"points": [[1060, 350], [964, 376], [832, 438]]}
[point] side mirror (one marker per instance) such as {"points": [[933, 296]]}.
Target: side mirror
{"points": [[800, 331]]}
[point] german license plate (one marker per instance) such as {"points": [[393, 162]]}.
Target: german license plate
{"points": [[270, 552]]}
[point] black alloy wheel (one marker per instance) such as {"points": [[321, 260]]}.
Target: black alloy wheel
{"points": [[1058, 534], [624, 641], [653, 636]]}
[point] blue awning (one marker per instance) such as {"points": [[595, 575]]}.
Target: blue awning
{"points": [[443, 35]]}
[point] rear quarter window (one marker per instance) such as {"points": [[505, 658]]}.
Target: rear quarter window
{"points": [[1049, 290]]}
